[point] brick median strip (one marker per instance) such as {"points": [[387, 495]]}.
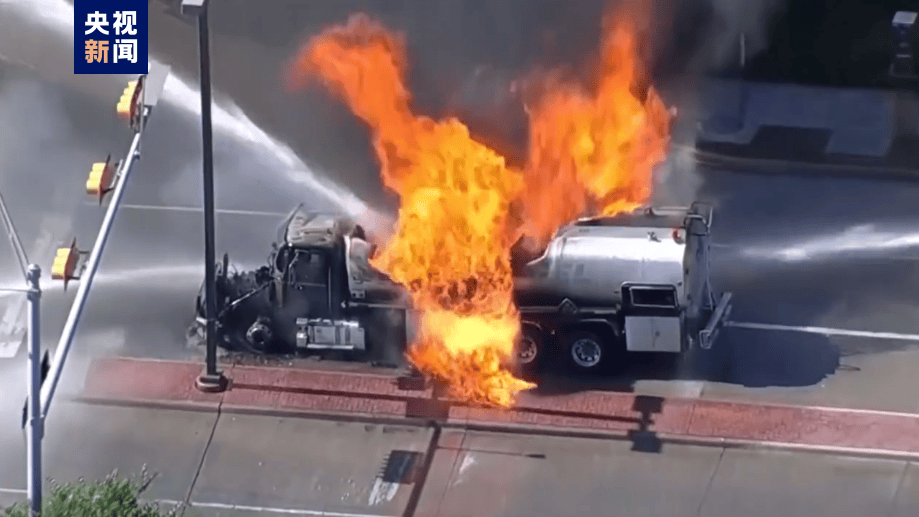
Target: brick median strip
{"points": [[278, 390]]}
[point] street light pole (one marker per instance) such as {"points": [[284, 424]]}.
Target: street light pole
{"points": [[36, 425], [211, 380]]}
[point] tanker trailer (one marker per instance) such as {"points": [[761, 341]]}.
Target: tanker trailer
{"points": [[634, 282]]}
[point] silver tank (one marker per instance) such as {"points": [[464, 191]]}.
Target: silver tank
{"points": [[590, 260]]}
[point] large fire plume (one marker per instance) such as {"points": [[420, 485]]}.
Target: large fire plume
{"points": [[456, 226], [593, 152]]}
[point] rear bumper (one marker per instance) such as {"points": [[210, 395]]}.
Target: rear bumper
{"points": [[716, 321]]}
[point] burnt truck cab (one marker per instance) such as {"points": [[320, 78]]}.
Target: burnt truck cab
{"points": [[317, 292], [634, 282]]}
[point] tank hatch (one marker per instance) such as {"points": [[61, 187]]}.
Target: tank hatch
{"points": [[305, 229], [651, 217]]}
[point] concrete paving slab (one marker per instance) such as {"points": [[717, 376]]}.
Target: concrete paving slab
{"points": [[92, 441], [754, 484], [484, 474], [310, 465], [495, 474], [259, 465], [12, 464], [440, 477], [170, 443], [907, 502], [9, 497]]}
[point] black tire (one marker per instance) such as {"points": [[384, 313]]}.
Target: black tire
{"points": [[259, 336], [529, 349], [585, 351]]}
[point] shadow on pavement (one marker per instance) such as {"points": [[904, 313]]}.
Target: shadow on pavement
{"points": [[747, 358]]}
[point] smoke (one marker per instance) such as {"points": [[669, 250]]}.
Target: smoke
{"points": [[706, 34], [697, 38]]}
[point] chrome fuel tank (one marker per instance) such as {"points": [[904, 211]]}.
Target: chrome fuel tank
{"points": [[590, 261]]}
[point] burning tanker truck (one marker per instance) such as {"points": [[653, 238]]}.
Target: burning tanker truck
{"points": [[603, 286]]}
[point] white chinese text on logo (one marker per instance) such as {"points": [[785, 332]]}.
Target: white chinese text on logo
{"points": [[96, 22], [125, 50], [125, 22]]}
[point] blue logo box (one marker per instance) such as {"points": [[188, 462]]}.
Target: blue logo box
{"points": [[110, 37]]}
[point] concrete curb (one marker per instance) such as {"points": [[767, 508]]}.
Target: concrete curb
{"points": [[631, 435], [728, 163]]}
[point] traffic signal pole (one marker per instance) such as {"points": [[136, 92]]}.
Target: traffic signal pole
{"points": [[152, 87], [36, 421], [33, 422], [86, 279]]}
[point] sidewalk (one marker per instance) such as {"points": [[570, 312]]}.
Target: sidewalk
{"points": [[365, 397], [223, 464], [229, 464]]}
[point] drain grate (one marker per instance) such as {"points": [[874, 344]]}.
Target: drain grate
{"points": [[402, 467]]}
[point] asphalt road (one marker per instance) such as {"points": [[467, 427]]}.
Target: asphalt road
{"points": [[256, 465]]}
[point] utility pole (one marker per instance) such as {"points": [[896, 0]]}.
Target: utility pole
{"points": [[211, 380], [33, 421]]}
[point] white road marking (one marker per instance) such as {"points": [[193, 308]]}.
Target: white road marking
{"points": [[10, 347], [172, 208], [238, 507], [383, 491], [826, 331], [13, 323], [469, 460], [264, 509], [12, 326]]}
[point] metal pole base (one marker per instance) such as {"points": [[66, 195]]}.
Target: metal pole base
{"points": [[212, 383]]}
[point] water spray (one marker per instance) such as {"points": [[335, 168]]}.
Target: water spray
{"points": [[50, 53]]}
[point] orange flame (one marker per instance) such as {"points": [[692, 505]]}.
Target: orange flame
{"points": [[452, 238], [451, 248], [594, 153]]}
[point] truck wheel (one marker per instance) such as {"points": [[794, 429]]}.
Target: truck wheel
{"points": [[585, 351], [259, 335], [529, 348]]}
